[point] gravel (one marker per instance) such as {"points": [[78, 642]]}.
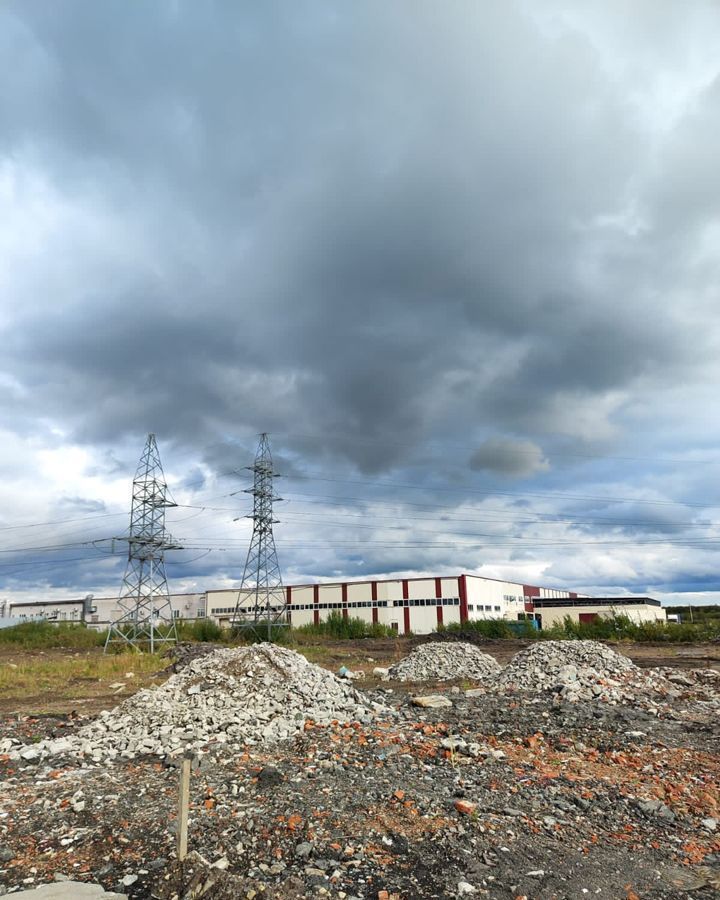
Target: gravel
{"points": [[445, 662], [226, 700]]}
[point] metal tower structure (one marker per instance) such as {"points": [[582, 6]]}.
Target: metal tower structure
{"points": [[261, 604], [146, 616]]}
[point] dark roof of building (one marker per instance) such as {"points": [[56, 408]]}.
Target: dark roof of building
{"points": [[544, 602]]}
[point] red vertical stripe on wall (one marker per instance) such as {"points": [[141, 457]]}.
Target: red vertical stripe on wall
{"points": [[344, 601], [530, 590], [439, 611], [438, 587], [373, 597], [316, 600], [288, 600], [438, 596], [462, 590], [406, 610]]}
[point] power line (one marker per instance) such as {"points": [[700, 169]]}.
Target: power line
{"points": [[467, 490]]}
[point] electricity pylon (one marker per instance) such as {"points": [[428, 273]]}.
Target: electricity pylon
{"points": [[261, 604], [146, 615]]}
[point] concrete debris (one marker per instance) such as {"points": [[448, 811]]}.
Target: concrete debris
{"points": [[432, 701], [514, 795], [445, 662], [70, 890], [227, 700], [577, 670]]}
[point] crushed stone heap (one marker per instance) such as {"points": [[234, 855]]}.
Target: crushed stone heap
{"points": [[578, 670], [437, 661], [232, 697]]}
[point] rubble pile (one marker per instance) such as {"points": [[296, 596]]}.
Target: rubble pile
{"points": [[576, 670], [484, 798], [445, 662], [230, 698]]}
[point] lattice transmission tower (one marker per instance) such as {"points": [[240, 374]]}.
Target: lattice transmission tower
{"points": [[146, 615], [261, 604]]}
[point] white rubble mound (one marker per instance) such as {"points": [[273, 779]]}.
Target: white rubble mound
{"points": [[235, 697], [445, 661], [579, 670]]}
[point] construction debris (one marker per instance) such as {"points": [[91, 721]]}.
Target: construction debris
{"points": [[227, 700], [445, 662], [578, 670], [487, 793]]}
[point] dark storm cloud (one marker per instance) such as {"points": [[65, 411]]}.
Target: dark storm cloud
{"points": [[364, 230], [360, 228], [513, 458]]}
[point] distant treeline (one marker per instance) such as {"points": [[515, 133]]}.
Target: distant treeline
{"points": [[696, 613]]}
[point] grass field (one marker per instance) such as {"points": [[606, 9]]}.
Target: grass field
{"points": [[51, 680]]}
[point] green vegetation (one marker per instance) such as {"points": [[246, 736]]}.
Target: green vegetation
{"points": [[698, 615], [44, 635], [75, 636], [202, 630], [498, 629], [74, 675], [622, 628], [338, 627]]}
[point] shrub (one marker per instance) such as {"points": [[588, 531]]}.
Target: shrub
{"points": [[201, 630], [40, 635], [341, 628], [489, 628]]}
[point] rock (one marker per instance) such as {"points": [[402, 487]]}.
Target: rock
{"points": [[303, 850], [464, 887], [431, 701], [465, 807], [709, 824], [69, 890], [129, 880]]}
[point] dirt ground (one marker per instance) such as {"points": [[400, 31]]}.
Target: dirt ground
{"points": [[516, 797]]}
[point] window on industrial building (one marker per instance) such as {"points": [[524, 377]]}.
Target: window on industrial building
{"points": [[394, 626], [488, 609], [496, 608], [176, 614], [471, 608], [201, 613]]}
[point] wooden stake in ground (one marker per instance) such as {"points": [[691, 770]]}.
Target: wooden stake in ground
{"points": [[183, 808]]}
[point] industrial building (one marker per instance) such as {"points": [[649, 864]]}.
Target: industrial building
{"points": [[404, 604]]}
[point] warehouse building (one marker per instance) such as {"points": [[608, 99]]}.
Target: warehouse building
{"points": [[404, 604]]}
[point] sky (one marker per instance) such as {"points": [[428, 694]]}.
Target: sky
{"points": [[460, 261]]}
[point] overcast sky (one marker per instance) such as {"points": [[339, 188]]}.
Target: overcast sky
{"points": [[459, 259]]}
